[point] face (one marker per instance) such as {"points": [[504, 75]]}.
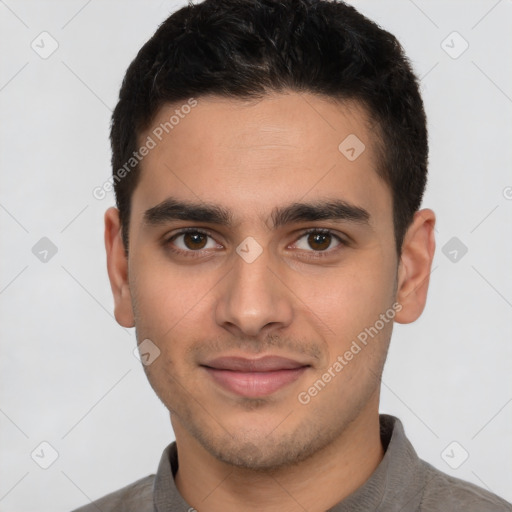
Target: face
{"points": [[262, 268]]}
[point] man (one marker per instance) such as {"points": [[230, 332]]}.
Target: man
{"points": [[269, 161]]}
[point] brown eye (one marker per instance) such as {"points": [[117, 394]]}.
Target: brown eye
{"points": [[194, 240], [191, 241], [319, 241]]}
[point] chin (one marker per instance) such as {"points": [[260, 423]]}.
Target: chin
{"points": [[264, 451]]}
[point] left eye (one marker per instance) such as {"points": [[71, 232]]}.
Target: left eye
{"points": [[319, 241]]}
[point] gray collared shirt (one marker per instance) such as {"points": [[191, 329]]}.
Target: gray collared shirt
{"points": [[402, 482]]}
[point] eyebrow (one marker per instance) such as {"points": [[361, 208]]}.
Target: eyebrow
{"points": [[332, 209]]}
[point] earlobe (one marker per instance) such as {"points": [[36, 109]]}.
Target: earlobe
{"points": [[117, 266], [415, 266]]}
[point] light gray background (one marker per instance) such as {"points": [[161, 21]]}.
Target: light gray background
{"points": [[68, 373]]}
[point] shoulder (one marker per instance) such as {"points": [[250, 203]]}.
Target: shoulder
{"points": [[136, 497], [445, 492]]}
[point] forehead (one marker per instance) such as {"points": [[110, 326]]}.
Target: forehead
{"points": [[251, 156]]}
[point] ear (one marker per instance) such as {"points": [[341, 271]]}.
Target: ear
{"points": [[117, 266], [414, 268]]}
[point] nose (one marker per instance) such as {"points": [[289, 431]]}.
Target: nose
{"points": [[253, 301]]}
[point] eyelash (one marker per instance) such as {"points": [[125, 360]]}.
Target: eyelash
{"points": [[199, 253]]}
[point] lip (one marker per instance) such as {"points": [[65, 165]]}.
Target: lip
{"points": [[254, 378]]}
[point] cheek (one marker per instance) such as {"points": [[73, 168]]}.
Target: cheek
{"points": [[163, 294], [172, 306], [353, 300]]}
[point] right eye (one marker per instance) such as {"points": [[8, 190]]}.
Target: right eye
{"points": [[190, 241]]}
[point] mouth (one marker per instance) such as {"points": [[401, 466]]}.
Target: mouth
{"points": [[253, 378]]}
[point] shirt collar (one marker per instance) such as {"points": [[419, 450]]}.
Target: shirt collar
{"points": [[398, 481], [395, 485]]}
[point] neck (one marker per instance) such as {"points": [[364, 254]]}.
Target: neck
{"points": [[316, 484]]}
